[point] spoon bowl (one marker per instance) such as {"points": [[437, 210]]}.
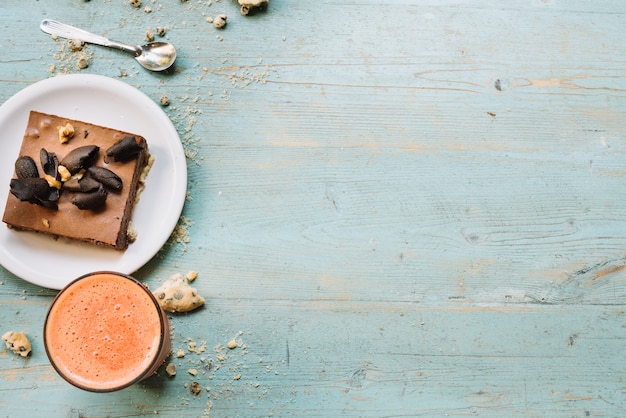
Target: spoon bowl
{"points": [[157, 56], [154, 56]]}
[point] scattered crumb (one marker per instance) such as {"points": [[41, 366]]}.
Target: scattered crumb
{"points": [[223, 368], [45, 222], [181, 233], [220, 21], [17, 342], [149, 35], [82, 63], [176, 295], [180, 354], [131, 232], [165, 101], [75, 45], [135, 3], [170, 369], [160, 31], [73, 55], [147, 9], [249, 7], [195, 388], [192, 347], [192, 275], [207, 411], [232, 344]]}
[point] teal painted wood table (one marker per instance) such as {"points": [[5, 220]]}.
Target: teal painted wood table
{"points": [[395, 208]]}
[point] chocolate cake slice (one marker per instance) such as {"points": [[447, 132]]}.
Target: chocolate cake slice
{"points": [[80, 182]]}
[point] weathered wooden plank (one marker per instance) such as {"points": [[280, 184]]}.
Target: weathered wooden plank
{"points": [[424, 361]]}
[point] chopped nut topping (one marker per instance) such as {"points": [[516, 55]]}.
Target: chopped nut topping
{"points": [[64, 173], [52, 181], [78, 175], [66, 133]]}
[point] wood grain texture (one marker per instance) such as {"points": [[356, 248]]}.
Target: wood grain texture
{"points": [[397, 209]]}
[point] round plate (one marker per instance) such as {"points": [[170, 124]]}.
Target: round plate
{"points": [[52, 263]]}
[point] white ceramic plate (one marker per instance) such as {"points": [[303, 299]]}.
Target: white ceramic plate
{"points": [[42, 260]]}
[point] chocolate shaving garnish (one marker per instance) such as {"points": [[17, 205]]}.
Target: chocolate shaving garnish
{"points": [[124, 149], [90, 200], [105, 176], [32, 190], [49, 163], [82, 185], [80, 158], [25, 167], [52, 200]]}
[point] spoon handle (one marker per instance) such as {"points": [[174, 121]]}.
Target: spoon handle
{"points": [[64, 30]]}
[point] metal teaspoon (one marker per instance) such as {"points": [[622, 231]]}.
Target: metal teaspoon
{"points": [[155, 56]]}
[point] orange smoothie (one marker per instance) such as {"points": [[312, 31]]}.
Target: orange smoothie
{"points": [[105, 331]]}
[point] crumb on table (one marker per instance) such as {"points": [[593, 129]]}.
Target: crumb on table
{"points": [[177, 295], [17, 342]]}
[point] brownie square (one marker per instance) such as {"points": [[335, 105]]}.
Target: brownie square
{"points": [[105, 225]]}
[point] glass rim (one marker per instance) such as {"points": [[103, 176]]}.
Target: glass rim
{"points": [[150, 369]]}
